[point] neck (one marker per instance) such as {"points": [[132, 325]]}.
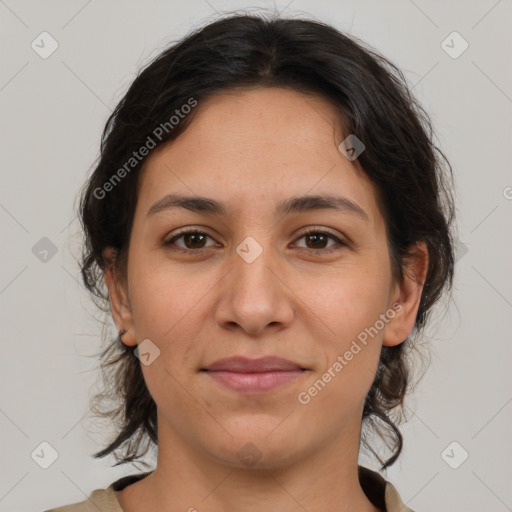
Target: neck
{"points": [[187, 479]]}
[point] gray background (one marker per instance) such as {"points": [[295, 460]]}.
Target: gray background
{"points": [[53, 111]]}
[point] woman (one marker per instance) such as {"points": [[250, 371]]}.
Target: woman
{"points": [[271, 218]]}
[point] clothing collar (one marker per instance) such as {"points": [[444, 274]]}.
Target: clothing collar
{"points": [[379, 491]]}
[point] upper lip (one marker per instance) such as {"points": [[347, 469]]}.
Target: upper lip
{"points": [[245, 365]]}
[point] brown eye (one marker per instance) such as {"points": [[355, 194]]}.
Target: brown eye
{"points": [[316, 240], [193, 240]]}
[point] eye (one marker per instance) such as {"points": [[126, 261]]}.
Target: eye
{"points": [[317, 238], [193, 239]]}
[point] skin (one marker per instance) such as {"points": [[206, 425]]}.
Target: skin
{"points": [[250, 150]]}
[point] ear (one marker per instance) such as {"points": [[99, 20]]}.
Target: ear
{"points": [[118, 295], [406, 297]]}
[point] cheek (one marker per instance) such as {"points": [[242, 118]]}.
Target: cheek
{"points": [[351, 307], [167, 309], [350, 303], [164, 300], [350, 355], [335, 397]]}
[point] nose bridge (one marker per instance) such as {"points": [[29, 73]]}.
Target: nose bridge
{"points": [[254, 295], [252, 276]]}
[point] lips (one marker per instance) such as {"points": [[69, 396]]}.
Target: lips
{"points": [[261, 365], [253, 376]]}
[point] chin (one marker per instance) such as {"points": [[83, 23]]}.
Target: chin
{"points": [[257, 448]]}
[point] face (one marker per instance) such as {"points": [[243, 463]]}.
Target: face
{"points": [[252, 282]]}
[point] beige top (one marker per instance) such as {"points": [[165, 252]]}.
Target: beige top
{"points": [[379, 491]]}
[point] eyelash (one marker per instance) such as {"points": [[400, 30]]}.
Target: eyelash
{"points": [[189, 231]]}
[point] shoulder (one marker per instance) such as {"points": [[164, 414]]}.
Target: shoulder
{"points": [[380, 492], [103, 500], [100, 499]]}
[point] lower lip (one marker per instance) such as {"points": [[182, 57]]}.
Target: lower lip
{"points": [[254, 382]]}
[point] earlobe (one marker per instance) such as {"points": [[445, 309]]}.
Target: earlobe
{"points": [[408, 297], [119, 304]]}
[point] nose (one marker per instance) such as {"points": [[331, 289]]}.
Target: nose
{"points": [[254, 296]]}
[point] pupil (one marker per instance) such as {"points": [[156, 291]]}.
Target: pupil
{"points": [[316, 237], [187, 237]]}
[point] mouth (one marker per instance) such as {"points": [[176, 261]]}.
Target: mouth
{"points": [[254, 376]]}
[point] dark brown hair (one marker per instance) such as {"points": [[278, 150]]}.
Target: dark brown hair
{"points": [[411, 174]]}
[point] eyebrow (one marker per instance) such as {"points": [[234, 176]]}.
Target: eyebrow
{"points": [[291, 205]]}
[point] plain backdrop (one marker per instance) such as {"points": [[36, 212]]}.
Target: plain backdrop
{"points": [[53, 110]]}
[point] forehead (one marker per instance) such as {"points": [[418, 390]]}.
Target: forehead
{"points": [[252, 148], [267, 117]]}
